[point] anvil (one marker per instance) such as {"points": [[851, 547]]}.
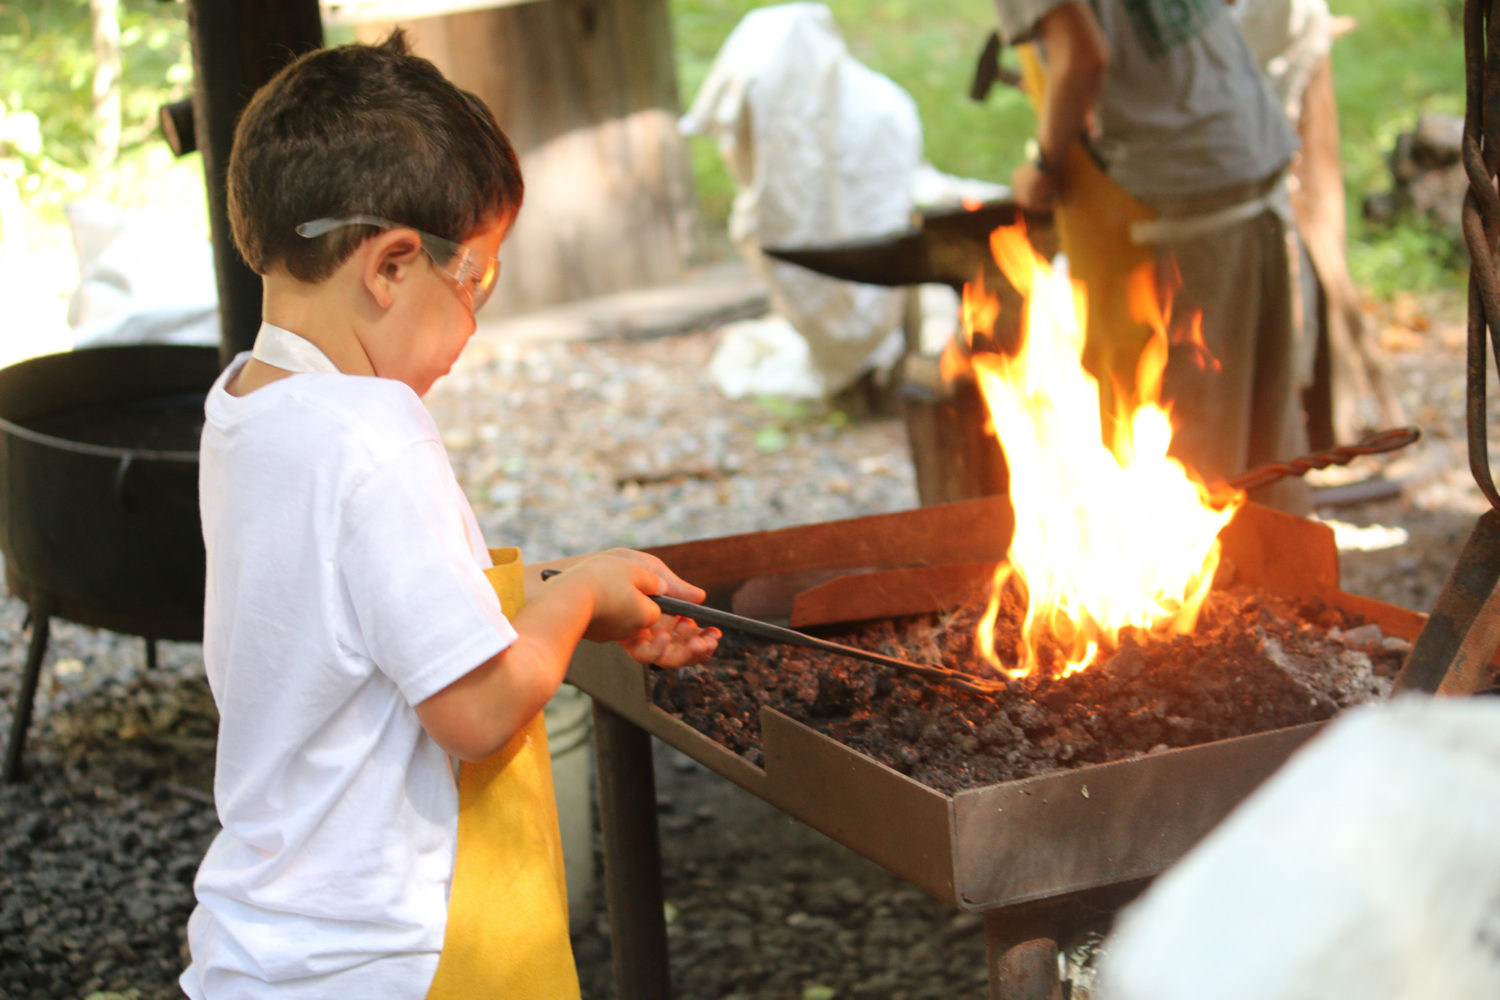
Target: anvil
{"points": [[949, 246]]}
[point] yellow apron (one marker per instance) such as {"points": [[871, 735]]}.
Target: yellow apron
{"points": [[1093, 230], [507, 935]]}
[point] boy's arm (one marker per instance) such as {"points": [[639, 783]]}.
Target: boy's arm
{"points": [[604, 598], [478, 714]]}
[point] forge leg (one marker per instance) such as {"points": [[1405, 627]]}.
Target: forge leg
{"points": [[41, 623], [1463, 630], [1021, 956], [632, 858]]}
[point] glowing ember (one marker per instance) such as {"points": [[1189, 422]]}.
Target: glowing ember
{"points": [[1109, 531]]}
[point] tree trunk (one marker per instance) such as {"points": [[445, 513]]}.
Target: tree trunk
{"points": [[1352, 393], [106, 144], [587, 92]]}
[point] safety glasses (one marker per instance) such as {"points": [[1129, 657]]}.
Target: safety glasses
{"points": [[474, 272]]}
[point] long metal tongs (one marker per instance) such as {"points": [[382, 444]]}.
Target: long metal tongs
{"points": [[718, 618], [776, 633]]}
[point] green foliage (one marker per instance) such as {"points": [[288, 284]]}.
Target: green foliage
{"points": [[1412, 257], [46, 83], [1403, 58]]}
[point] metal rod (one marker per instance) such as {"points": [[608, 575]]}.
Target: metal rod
{"points": [[632, 858], [1390, 440]]}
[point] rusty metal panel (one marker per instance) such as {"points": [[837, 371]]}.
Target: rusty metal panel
{"points": [[1400, 622], [1107, 824], [965, 531], [1281, 552], [890, 594], [900, 824], [610, 677]]}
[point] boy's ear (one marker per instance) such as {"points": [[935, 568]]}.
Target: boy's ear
{"points": [[388, 261]]}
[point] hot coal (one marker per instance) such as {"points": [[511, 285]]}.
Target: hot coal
{"points": [[1255, 662]]}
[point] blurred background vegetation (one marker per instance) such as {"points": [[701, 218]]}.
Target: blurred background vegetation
{"points": [[57, 143]]}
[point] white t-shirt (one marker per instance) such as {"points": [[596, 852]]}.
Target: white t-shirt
{"points": [[345, 585]]}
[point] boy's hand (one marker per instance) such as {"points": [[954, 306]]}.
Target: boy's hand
{"points": [[622, 582], [672, 642]]}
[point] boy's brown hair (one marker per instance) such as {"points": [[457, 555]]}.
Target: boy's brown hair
{"points": [[363, 130]]}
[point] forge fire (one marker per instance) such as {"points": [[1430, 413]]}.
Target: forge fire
{"points": [[1110, 531]]}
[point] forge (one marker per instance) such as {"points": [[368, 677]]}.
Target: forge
{"points": [[1031, 854], [1257, 661]]}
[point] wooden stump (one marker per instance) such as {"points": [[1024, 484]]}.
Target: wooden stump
{"points": [[587, 92], [953, 454]]}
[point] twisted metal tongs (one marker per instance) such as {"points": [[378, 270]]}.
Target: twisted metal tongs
{"points": [[1398, 437]]}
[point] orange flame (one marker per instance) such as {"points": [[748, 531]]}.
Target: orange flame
{"points": [[1107, 536]]}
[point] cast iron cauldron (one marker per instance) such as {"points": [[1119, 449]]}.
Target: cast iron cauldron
{"points": [[99, 512]]}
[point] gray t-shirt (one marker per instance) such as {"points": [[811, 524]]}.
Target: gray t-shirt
{"points": [[1184, 110]]}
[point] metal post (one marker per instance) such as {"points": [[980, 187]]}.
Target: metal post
{"points": [[632, 858], [238, 45], [41, 622], [1020, 952]]}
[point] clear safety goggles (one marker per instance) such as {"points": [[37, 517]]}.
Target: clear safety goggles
{"points": [[474, 272]]}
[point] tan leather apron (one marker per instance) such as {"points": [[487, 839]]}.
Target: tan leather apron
{"points": [[507, 935], [1093, 228]]}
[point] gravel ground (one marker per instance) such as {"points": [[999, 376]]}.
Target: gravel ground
{"points": [[569, 447]]}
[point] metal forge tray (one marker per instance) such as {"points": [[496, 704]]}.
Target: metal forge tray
{"points": [[992, 848]]}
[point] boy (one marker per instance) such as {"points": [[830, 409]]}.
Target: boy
{"points": [[351, 637]]}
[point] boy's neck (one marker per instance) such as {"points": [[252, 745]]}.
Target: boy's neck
{"points": [[321, 313], [314, 312]]}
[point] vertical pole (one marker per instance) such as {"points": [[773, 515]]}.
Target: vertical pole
{"points": [[41, 622], [238, 45], [1020, 954], [632, 858]]}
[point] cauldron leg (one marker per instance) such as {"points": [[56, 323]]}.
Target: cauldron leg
{"points": [[1021, 956], [150, 654], [41, 623]]}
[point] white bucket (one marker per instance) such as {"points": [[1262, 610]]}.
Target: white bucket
{"points": [[570, 723]]}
